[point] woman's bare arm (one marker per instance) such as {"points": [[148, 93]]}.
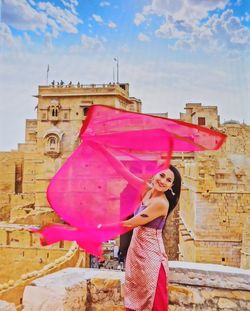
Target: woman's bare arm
{"points": [[118, 165], [156, 209]]}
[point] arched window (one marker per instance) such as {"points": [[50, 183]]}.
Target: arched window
{"points": [[54, 111], [52, 144], [52, 141]]}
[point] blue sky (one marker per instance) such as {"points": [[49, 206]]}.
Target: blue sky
{"points": [[170, 51]]}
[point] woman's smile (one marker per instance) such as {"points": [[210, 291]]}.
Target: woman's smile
{"points": [[160, 184]]}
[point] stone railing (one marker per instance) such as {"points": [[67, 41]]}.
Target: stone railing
{"points": [[62, 84], [192, 286], [12, 291]]}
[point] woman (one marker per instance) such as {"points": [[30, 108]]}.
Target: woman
{"points": [[146, 264]]}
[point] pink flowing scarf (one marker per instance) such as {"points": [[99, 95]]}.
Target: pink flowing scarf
{"points": [[90, 194]]}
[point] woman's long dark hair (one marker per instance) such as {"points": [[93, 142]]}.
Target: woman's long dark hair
{"points": [[174, 198]]}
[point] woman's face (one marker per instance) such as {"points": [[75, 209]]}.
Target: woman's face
{"points": [[163, 180]]}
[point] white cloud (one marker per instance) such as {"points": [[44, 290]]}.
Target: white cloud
{"points": [[247, 17], [104, 3], [91, 43], [112, 25], [97, 18], [20, 15], [55, 28], [139, 19], [227, 31], [7, 40], [184, 22], [124, 48], [184, 9], [27, 39], [71, 5], [66, 20], [174, 29], [48, 41], [44, 17], [144, 38]]}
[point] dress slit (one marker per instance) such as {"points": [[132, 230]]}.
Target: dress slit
{"points": [[161, 292]]}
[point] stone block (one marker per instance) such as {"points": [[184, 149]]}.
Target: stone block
{"points": [[62, 291], [6, 306], [3, 237], [76, 289], [224, 303], [20, 238], [209, 275], [181, 295]]}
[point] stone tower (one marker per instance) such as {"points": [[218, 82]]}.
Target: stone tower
{"points": [[49, 140], [215, 195]]}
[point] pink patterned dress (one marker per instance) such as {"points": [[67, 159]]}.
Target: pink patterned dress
{"points": [[147, 268]]}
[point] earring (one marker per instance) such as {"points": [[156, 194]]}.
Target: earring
{"points": [[172, 191], [150, 183]]}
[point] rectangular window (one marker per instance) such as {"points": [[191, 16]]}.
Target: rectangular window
{"points": [[85, 105], [85, 110], [201, 121]]}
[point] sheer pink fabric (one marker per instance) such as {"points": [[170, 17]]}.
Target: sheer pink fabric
{"points": [[86, 190]]}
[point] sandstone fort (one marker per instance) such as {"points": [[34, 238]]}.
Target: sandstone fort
{"points": [[209, 249]]}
